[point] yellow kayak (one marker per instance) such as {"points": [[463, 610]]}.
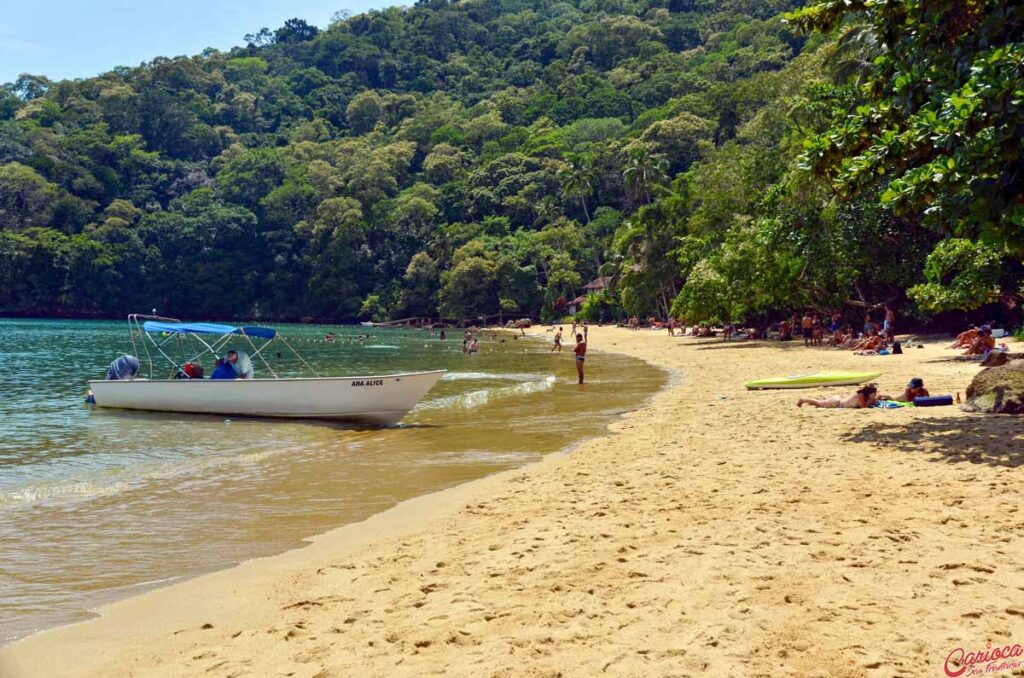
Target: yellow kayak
{"points": [[814, 379]]}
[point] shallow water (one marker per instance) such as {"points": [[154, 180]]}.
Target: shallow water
{"points": [[96, 504]]}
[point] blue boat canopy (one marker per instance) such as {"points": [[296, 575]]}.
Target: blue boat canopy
{"points": [[208, 328]]}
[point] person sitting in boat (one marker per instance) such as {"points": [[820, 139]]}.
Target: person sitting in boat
{"points": [[124, 368], [240, 362], [224, 370]]}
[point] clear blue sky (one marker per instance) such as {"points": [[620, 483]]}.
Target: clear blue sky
{"points": [[81, 38]]}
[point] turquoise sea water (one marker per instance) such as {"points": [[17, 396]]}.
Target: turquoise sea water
{"points": [[97, 504]]}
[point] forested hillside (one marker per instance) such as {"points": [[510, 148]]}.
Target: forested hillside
{"points": [[459, 158]]}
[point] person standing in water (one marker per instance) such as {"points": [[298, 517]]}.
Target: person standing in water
{"points": [[558, 341], [581, 355]]}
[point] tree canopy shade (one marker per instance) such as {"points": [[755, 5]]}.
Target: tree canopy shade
{"points": [[464, 159]]}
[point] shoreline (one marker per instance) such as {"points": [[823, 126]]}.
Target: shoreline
{"points": [[647, 548], [356, 535]]}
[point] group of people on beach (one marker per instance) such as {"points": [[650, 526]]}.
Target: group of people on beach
{"points": [[975, 340], [841, 334]]}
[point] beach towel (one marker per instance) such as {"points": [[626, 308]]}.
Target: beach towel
{"points": [[891, 405]]}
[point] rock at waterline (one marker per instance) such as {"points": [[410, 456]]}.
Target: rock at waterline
{"points": [[997, 390]]}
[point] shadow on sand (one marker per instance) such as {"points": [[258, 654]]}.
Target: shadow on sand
{"points": [[713, 345], [996, 440]]}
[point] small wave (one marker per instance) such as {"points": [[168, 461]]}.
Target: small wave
{"points": [[32, 494], [480, 376], [386, 346], [481, 457], [478, 398], [110, 482]]}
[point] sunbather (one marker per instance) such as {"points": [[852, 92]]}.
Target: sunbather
{"points": [[914, 389], [871, 343], [965, 339], [864, 397], [984, 343]]}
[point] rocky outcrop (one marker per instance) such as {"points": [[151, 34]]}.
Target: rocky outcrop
{"points": [[998, 390], [997, 358]]}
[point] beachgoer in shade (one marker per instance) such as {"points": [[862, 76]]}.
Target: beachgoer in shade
{"points": [[869, 343], [807, 329], [864, 397], [889, 324], [869, 325], [581, 355]]}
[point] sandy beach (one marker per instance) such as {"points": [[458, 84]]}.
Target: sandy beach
{"points": [[715, 531]]}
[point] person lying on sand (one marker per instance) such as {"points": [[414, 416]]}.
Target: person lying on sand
{"points": [[984, 343], [872, 343], [965, 339], [914, 389], [864, 397]]}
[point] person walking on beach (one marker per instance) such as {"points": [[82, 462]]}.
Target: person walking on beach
{"points": [[584, 331], [807, 328], [558, 341], [581, 355]]}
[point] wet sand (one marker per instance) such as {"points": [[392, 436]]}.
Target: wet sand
{"points": [[714, 531]]}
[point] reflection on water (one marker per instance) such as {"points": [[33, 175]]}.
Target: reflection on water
{"points": [[98, 504]]}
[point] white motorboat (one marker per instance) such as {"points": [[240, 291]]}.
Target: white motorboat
{"points": [[374, 399]]}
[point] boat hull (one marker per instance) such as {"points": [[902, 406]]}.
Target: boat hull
{"points": [[378, 400]]}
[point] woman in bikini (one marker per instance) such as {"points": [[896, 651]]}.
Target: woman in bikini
{"points": [[864, 397]]}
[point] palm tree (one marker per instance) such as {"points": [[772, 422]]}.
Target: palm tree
{"points": [[643, 172], [855, 54], [577, 178], [548, 210]]}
